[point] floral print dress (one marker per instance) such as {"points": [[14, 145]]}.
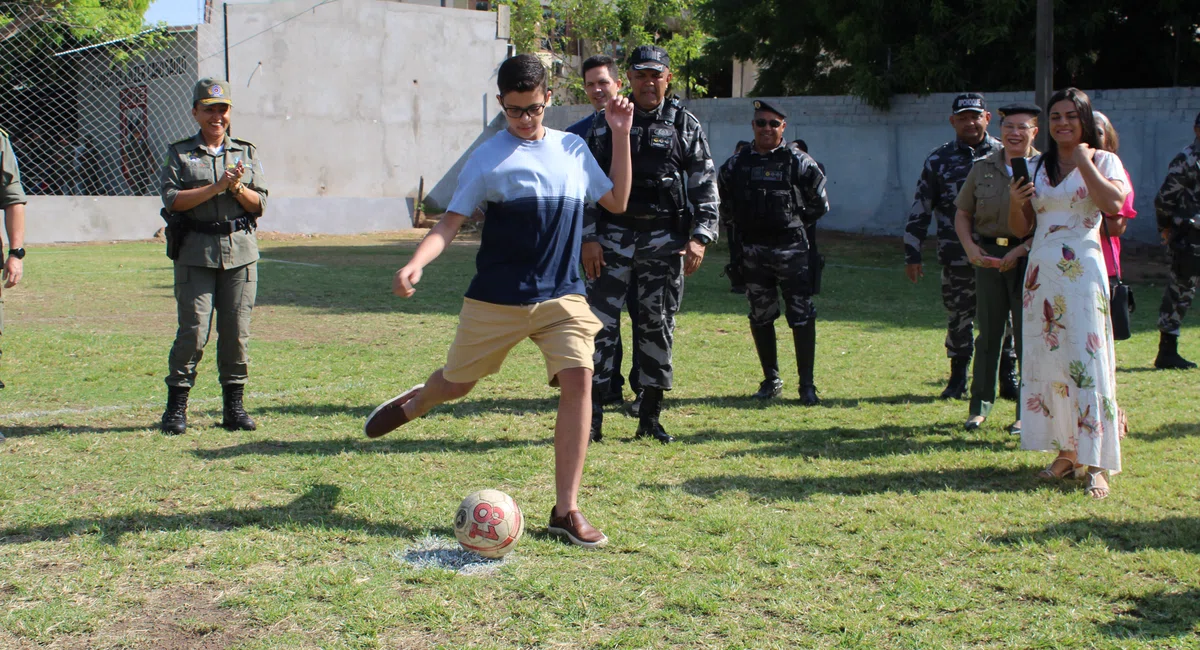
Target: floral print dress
{"points": [[1068, 365]]}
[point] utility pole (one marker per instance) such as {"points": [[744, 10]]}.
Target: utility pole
{"points": [[1044, 74]]}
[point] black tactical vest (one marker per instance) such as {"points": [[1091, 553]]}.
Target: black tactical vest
{"points": [[766, 202], [656, 147]]}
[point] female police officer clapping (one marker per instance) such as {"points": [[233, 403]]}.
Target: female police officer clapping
{"points": [[213, 186]]}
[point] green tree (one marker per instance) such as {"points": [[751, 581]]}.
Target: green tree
{"points": [[877, 48]]}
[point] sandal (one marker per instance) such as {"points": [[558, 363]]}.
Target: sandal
{"points": [[1066, 468], [1096, 488]]}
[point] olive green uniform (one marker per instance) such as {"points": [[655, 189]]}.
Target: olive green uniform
{"points": [[214, 271], [10, 194], [997, 294]]}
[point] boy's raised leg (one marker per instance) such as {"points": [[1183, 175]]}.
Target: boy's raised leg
{"points": [[413, 403]]}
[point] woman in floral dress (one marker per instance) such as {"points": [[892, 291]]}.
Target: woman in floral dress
{"points": [[1068, 376]]}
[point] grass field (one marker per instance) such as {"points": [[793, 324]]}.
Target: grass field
{"points": [[873, 521]]}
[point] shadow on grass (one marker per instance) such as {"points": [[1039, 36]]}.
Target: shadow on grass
{"points": [[47, 429], [464, 408], [1157, 616], [393, 444], [980, 479], [856, 444], [1173, 533], [1169, 431], [314, 508]]}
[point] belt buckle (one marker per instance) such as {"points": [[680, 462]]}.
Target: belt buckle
{"points": [[1002, 241]]}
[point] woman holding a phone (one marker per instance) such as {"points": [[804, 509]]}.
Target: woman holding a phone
{"points": [[213, 185], [1068, 386], [997, 254]]}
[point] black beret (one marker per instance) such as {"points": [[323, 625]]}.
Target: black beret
{"points": [[760, 105], [1028, 108]]}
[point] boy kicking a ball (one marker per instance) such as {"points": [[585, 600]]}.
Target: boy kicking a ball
{"points": [[532, 183]]}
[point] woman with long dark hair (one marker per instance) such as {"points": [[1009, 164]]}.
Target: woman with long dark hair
{"points": [[1068, 385]]}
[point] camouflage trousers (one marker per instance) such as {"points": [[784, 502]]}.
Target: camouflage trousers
{"points": [[1181, 289], [958, 296], [654, 258], [769, 269]]}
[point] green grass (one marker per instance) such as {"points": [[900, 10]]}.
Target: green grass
{"points": [[873, 521]]}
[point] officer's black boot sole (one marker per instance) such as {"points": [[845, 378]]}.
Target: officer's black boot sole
{"points": [[1168, 354]]}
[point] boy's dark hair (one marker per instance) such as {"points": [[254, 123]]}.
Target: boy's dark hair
{"points": [[521, 74], [600, 60]]}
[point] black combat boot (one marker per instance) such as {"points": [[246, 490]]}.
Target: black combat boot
{"points": [[805, 338], [1168, 354], [174, 419], [235, 417], [1010, 388], [768, 356], [956, 388], [648, 416], [597, 433]]}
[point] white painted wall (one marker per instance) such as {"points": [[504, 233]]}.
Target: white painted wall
{"points": [[873, 158]]}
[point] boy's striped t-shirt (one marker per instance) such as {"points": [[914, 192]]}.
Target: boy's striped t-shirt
{"points": [[533, 193]]}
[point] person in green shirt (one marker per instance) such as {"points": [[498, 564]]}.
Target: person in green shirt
{"points": [[216, 184], [12, 201]]}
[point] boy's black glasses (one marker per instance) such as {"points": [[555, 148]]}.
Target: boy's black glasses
{"points": [[775, 124], [516, 112]]}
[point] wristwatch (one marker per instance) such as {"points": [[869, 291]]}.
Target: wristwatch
{"points": [[18, 253], [704, 240]]}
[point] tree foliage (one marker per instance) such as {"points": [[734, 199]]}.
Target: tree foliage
{"points": [[877, 48], [576, 29]]}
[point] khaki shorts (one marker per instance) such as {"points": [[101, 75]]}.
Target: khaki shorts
{"points": [[564, 329]]}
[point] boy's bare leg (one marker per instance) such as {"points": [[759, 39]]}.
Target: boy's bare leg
{"points": [[571, 436], [436, 391]]}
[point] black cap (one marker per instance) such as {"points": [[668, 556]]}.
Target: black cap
{"points": [[760, 105], [1020, 108], [968, 102], [650, 57]]}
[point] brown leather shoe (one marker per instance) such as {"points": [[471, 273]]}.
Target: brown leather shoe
{"points": [[389, 416], [577, 529]]}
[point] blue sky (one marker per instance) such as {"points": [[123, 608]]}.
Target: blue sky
{"points": [[174, 12]]}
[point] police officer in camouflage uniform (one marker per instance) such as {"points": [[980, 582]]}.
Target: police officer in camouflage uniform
{"points": [[945, 170], [1178, 210], [658, 238], [214, 186], [771, 193], [12, 202]]}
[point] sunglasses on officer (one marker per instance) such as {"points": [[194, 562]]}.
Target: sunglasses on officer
{"points": [[517, 112], [761, 123]]}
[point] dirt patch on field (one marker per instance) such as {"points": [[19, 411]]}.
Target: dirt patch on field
{"points": [[184, 618]]}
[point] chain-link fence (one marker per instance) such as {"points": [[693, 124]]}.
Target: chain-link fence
{"points": [[88, 110]]}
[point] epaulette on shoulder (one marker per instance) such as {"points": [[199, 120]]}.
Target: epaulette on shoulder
{"points": [[182, 140], [243, 141]]}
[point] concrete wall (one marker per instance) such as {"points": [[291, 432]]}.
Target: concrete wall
{"points": [[350, 104], [873, 158]]}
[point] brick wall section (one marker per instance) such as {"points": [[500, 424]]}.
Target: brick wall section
{"points": [[873, 157]]}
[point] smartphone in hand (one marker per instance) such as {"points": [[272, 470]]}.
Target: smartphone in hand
{"points": [[1020, 170]]}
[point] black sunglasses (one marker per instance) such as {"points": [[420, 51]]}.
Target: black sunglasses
{"points": [[516, 112], [775, 124]]}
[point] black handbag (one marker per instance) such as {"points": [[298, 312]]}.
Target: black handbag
{"points": [[1120, 300]]}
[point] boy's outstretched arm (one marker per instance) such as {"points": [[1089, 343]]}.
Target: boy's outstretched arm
{"points": [[431, 246], [619, 114]]}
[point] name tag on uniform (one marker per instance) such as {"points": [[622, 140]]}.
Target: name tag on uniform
{"points": [[661, 137], [766, 174]]}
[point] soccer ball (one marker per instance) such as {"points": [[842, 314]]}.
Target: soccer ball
{"points": [[488, 522]]}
